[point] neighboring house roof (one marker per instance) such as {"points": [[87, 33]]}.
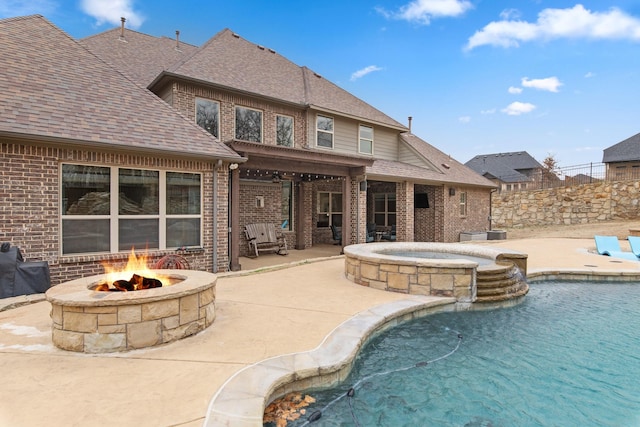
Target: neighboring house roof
{"points": [[444, 169], [52, 88], [625, 151], [149, 58], [506, 167]]}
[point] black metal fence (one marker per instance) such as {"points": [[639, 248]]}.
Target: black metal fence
{"points": [[568, 176]]}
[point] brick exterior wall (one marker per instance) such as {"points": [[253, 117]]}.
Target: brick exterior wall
{"points": [[477, 218], [424, 218], [30, 207], [250, 213], [184, 98]]}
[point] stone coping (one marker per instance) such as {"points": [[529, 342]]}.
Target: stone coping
{"points": [[241, 400], [376, 251], [77, 292]]}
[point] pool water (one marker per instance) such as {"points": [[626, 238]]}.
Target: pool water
{"points": [[568, 355]]}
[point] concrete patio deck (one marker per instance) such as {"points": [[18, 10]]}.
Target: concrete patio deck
{"points": [[274, 311]]}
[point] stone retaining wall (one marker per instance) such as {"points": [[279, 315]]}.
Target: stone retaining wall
{"points": [[582, 204]]}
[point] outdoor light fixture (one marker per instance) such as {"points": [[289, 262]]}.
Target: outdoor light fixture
{"points": [[233, 166], [452, 191]]}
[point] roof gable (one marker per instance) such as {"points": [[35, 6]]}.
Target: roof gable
{"points": [[443, 168], [54, 88], [624, 151], [229, 61]]}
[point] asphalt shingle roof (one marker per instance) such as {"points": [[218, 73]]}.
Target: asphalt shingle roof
{"points": [[624, 151], [446, 169], [504, 166], [51, 87], [138, 55]]}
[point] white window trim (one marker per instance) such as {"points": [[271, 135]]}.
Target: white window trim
{"points": [[114, 216], [331, 132], [361, 138]]}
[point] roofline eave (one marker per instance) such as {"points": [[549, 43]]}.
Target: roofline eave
{"points": [[102, 145]]}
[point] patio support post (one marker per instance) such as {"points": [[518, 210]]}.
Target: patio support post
{"points": [[235, 221], [346, 211]]}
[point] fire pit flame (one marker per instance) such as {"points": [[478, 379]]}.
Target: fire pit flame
{"points": [[141, 277]]}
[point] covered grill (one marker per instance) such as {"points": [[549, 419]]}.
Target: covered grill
{"points": [[18, 277]]}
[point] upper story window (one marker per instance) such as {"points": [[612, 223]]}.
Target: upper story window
{"points": [[208, 115], [248, 124], [284, 131], [463, 203], [366, 140], [111, 209], [324, 134]]}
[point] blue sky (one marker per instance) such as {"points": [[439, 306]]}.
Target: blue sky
{"points": [[477, 76]]}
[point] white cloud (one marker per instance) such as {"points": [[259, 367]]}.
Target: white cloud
{"points": [[515, 90], [510, 14], [464, 119], [518, 108], [589, 75], [422, 11], [550, 84], [110, 11], [576, 22], [11, 8], [363, 72], [490, 111]]}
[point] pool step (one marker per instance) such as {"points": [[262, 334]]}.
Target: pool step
{"points": [[499, 282]]}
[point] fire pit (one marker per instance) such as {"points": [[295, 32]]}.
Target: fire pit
{"points": [[92, 321]]}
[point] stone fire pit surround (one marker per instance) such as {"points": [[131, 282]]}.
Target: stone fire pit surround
{"points": [[102, 322]]}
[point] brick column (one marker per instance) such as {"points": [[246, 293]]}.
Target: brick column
{"points": [[404, 212]]}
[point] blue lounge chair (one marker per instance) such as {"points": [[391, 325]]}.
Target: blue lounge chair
{"points": [[609, 245], [634, 242]]}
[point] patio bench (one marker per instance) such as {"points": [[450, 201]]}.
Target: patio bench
{"points": [[265, 237]]}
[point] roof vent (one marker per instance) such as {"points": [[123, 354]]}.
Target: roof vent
{"points": [[177, 39], [446, 166], [122, 20], [272, 51], [260, 47], [235, 35], [317, 75]]}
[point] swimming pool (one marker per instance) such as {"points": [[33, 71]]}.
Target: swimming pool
{"points": [[568, 355]]}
